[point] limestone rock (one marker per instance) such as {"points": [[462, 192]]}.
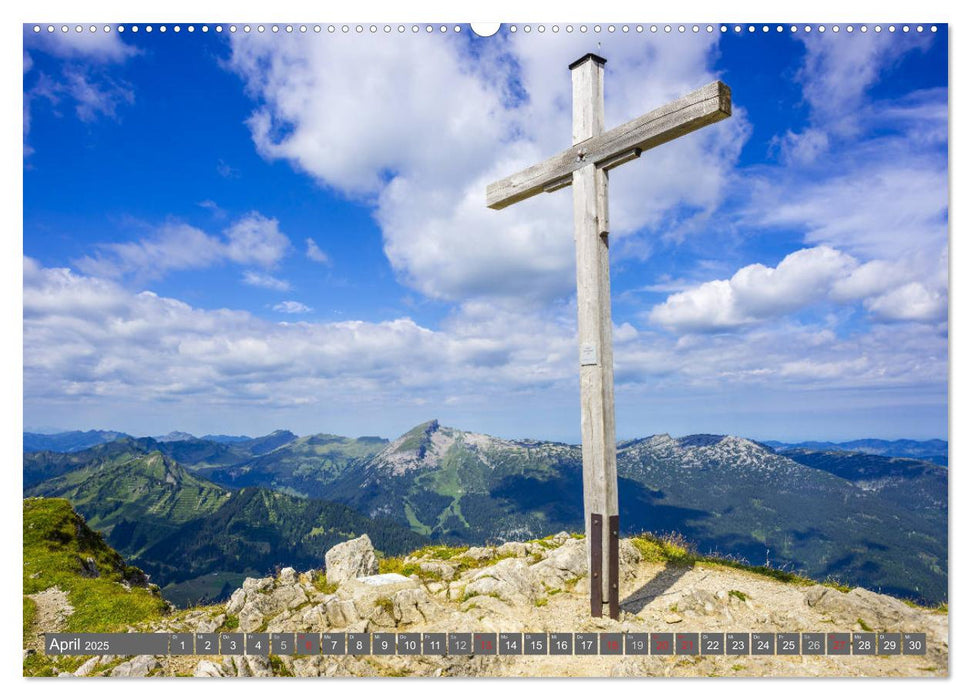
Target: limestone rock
{"points": [[351, 559], [515, 549], [413, 606], [878, 611], [566, 562], [236, 601], [440, 569], [288, 576], [138, 667], [87, 667], [208, 669], [510, 580], [479, 553], [629, 557], [247, 666], [341, 613]]}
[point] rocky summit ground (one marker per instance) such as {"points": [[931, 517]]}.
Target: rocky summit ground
{"points": [[537, 586]]}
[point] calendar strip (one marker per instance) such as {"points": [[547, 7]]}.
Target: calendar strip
{"points": [[490, 643]]}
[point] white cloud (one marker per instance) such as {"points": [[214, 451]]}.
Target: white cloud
{"points": [[92, 345], [100, 47], [755, 292], [95, 98], [87, 337], [292, 307], [874, 208], [315, 253], [911, 302], [256, 239], [419, 129], [252, 240], [902, 290], [836, 75], [82, 78], [260, 279]]}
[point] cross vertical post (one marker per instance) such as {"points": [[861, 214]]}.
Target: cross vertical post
{"points": [[599, 445], [585, 165]]}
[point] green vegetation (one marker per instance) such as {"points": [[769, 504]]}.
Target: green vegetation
{"points": [[738, 594], [279, 668], [863, 626], [322, 584], [385, 604], [30, 614], [61, 550], [674, 549]]}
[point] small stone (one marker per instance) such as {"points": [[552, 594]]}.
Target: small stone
{"points": [[88, 666], [138, 667], [673, 618], [207, 669]]}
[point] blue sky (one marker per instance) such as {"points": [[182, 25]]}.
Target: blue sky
{"points": [[235, 233]]}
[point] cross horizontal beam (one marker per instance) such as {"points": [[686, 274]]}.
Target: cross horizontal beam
{"points": [[708, 105]]}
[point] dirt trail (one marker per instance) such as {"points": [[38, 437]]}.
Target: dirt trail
{"points": [[53, 609]]}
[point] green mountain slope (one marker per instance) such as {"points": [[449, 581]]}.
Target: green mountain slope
{"points": [[143, 497], [60, 550], [257, 530], [200, 540], [306, 466]]}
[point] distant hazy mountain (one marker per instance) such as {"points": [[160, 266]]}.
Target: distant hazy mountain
{"points": [[866, 519], [226, 438], [927, 450], [71, 441], [174, 436]]}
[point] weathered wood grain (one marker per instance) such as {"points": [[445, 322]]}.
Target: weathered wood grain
{"points": [[599, 447], [702, 107]]}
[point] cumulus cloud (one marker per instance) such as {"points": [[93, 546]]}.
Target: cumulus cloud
{"points": [[755, 292], [252, 240], [910, 302], [452, 125], [808, 277], [256, 239], [880, 194]]}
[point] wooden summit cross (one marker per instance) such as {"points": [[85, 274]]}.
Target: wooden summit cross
{"points": [[585, 166]]}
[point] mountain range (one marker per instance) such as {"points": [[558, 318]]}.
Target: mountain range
{"points": [[927, 450], [200, 513]]}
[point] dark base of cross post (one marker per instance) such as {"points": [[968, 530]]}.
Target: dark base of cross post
{"points": [[613, 566], [596, 564]]}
